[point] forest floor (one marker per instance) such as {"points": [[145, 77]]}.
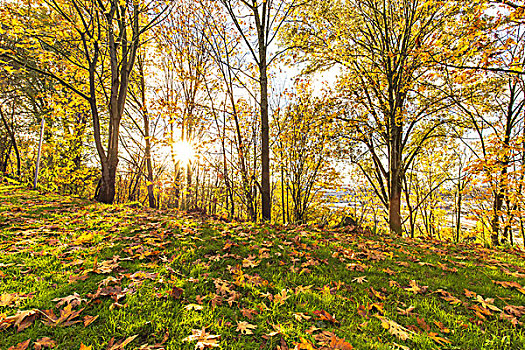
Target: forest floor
{"points": [[79, 275]]}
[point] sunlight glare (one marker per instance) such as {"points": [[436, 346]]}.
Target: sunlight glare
{"points": [[184, 151]]}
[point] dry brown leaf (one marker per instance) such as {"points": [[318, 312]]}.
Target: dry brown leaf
{"points": [[89, 320], [245, 327], [395, 328], [360, 280], [74, 300], [204, 339], [21, 346], [120, 344], [44, 342], [8, 299], [325, 316]]}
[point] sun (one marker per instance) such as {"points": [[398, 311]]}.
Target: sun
{"points": [[184, 152]]}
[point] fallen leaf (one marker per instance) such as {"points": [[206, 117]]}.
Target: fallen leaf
{"points": [[73, 299], [470, 294], [406, 312], [423, 324], [193, 307], [245, 327], [89, 320], [339, 344], [176, 292], [8, 299], [394, 328], [44, 342], [304, 345], [21, 346], [360, 280], [325, 316], [487, 303], [120, 344], [415, 288], [301, 316], [248, 313], [438, 339], [204, 339]]}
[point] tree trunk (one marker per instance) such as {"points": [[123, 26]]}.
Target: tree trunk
{"points": [[396, 177], [120, 73], [147, 138], [266, 204], [106, 191], [458, 214], [265, 141], [11, 134]]}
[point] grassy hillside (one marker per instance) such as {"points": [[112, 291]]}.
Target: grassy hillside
{"points": [[76, 274]]}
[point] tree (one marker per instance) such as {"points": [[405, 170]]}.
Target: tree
{"points": [[305, 156], [259, 23], [384, 49], [86, 37]]}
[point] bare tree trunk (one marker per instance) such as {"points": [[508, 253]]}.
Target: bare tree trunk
{"points": [[395, 177], [147, 136], [120, 74], [458, 214], [11, 134], [265, 139]]}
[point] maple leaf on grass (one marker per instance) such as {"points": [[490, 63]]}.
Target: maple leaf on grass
{"points": [[281, 297], [245, 327], [360, 280], [277, 330], [329, 341], [415, 288], [423, 324], [389, 271], [304, 345], [395, 328], [442, 327], [487, 303], [73, 299], [21, 346], [339, 344], [406, 312], [448, 297], [302, 289], [250, 261], [470, 294], [89, 320], [85, 347], [438, 339], [325, 316], [510, 284], [203, 338], [193, 307], [517, 311], [8, 299], [66, 318], [176, 292], [44, 342], [377, 294], [21, 320], [512, 319], [248, 313], [301, 316], [119, 345]]}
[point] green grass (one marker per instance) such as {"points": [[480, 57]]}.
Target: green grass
{"points": [[275, 278]]}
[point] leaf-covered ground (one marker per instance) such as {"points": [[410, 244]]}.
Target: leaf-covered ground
{"points": [[79, 275]]}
